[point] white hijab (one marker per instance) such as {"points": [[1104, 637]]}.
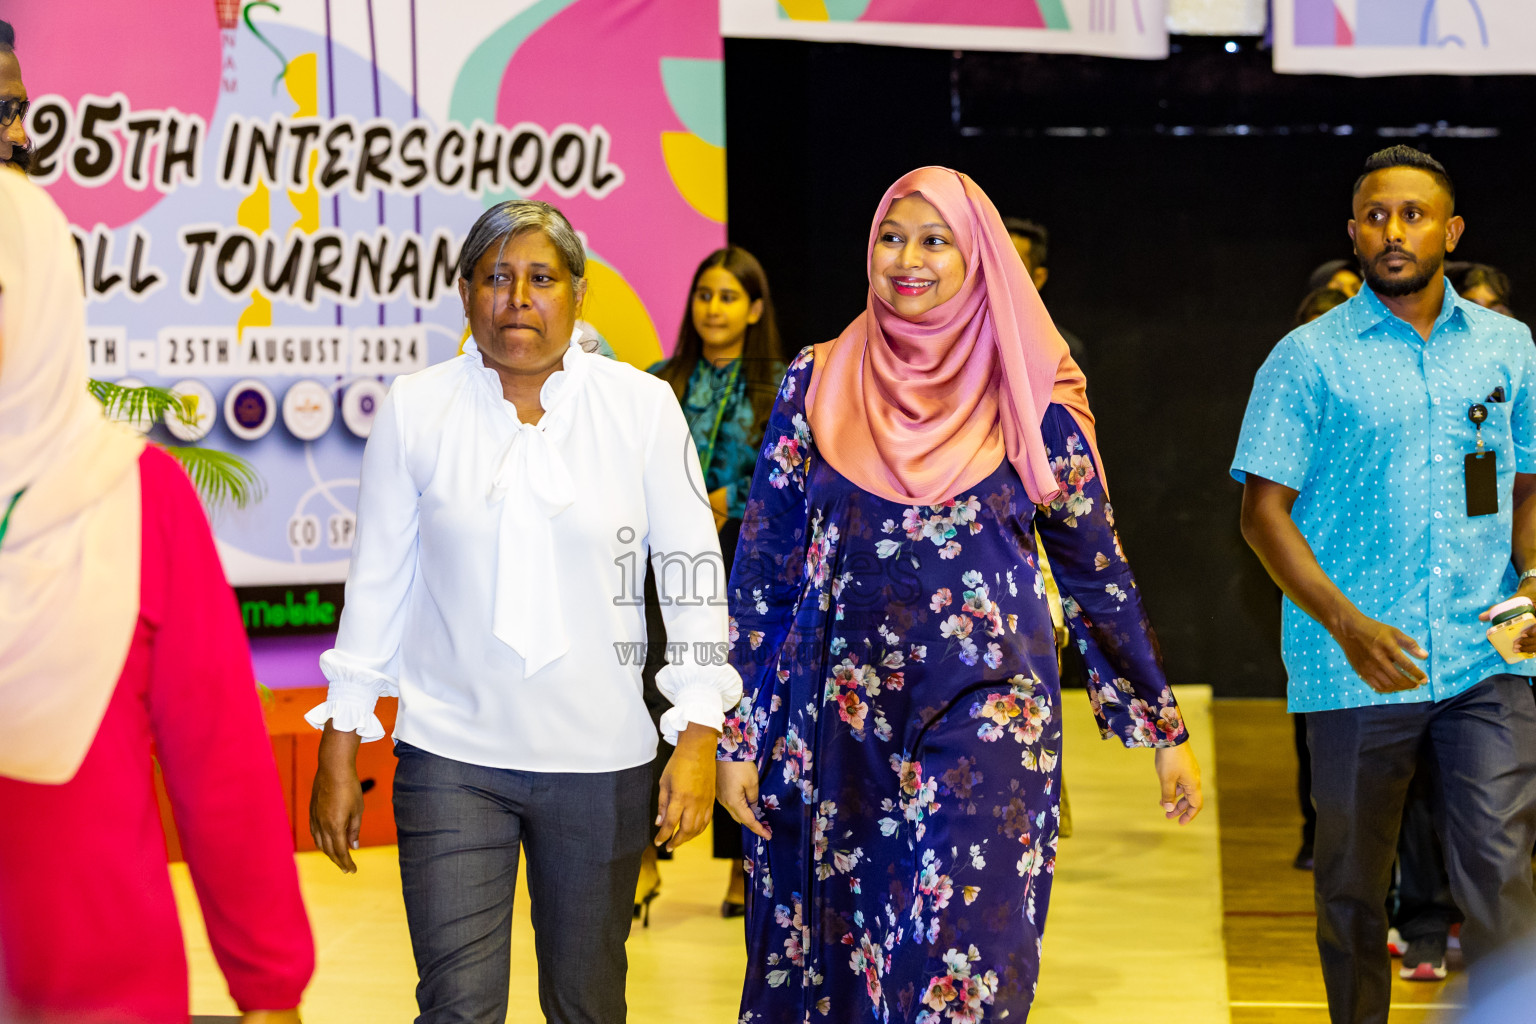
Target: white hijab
{"points": [[69, 563]]}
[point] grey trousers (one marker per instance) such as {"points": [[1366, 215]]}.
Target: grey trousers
{"points": [[1483, 746], [460, 830]]}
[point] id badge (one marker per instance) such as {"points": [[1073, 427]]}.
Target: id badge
{"points": [[1483, 483]]}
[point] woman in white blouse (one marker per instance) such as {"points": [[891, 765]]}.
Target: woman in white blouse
{"points": [[508, 499]]}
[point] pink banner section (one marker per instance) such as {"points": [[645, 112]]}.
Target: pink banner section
{"points": [[998, 13], [168, 60]]}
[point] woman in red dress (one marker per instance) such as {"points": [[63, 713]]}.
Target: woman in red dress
{"points": [[119, 641]]}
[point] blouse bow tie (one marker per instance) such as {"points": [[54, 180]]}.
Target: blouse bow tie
{"points": [[533, 485]]}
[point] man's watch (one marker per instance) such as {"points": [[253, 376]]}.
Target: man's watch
{"points": [[1527, 575]]}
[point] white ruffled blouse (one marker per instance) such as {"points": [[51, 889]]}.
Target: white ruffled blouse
{"points": [[497, 570]]}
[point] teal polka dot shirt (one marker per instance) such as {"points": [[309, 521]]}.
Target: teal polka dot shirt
{"points": [[1368, 422]]}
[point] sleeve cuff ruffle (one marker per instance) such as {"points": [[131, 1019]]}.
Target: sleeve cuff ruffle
{"points": [[699, 694], [346, 716], [353, 693]]}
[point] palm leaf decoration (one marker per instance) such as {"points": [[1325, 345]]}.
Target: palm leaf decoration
{"points": [[220, 478], [143, 403]]}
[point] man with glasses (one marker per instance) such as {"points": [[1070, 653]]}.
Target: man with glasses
{"points": [[15, 149]]}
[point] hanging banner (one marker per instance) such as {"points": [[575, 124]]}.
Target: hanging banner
{"points": [[1218, 17], [1107, 28], [1405, 37], [269, 199]]}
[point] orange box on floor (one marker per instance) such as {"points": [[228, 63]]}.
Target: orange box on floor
{"points": [[296, 748]]}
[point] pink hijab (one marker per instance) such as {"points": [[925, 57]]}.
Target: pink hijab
{"points": [[919, 411]]}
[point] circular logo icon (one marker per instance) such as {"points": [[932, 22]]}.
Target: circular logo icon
{"points": [[249, 410], [203, 412], [141, 422], [361, 404], [308, 410]]}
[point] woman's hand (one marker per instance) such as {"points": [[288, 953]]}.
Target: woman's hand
{"points": [[687, 787], [271, 1017], [1179, 775], [336, 802], [736, 782]]}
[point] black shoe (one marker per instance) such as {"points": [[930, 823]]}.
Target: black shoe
{"points": [[1303, 861], [643, 906]]}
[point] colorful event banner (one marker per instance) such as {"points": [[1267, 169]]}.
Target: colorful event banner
{"points": [[269, 199], [1405, 37], [1110, 28]]}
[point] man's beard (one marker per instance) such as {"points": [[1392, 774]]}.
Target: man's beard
{"points": [[1396, 288], [21, 158]]}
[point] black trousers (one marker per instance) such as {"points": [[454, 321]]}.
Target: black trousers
{"points": [[1424, 907], [1419, 903], [461, 827], [1482, 744], [1304, 782]]}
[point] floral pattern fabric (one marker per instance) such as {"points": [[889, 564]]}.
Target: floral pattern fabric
{"points": [[903, 708]]}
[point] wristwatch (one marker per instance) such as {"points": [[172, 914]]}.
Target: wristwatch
{"points": [[1528, 574]]}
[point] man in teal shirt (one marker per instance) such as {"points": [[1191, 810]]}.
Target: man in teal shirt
{"points": [[1357, 499]]}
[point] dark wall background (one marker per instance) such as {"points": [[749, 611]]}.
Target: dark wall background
{"points": [[1187, 200]]}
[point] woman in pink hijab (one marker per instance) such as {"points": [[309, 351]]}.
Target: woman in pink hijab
{"points": [[898, 752], [119, 640]]}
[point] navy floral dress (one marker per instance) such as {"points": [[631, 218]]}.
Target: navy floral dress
{"points": [[902, 709]]}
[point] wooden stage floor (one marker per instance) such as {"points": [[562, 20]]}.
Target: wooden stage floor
{"points": [[1148, 924], [1270, 922]]}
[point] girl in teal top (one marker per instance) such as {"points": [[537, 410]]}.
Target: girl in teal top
{"points": [[726, 371]]}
